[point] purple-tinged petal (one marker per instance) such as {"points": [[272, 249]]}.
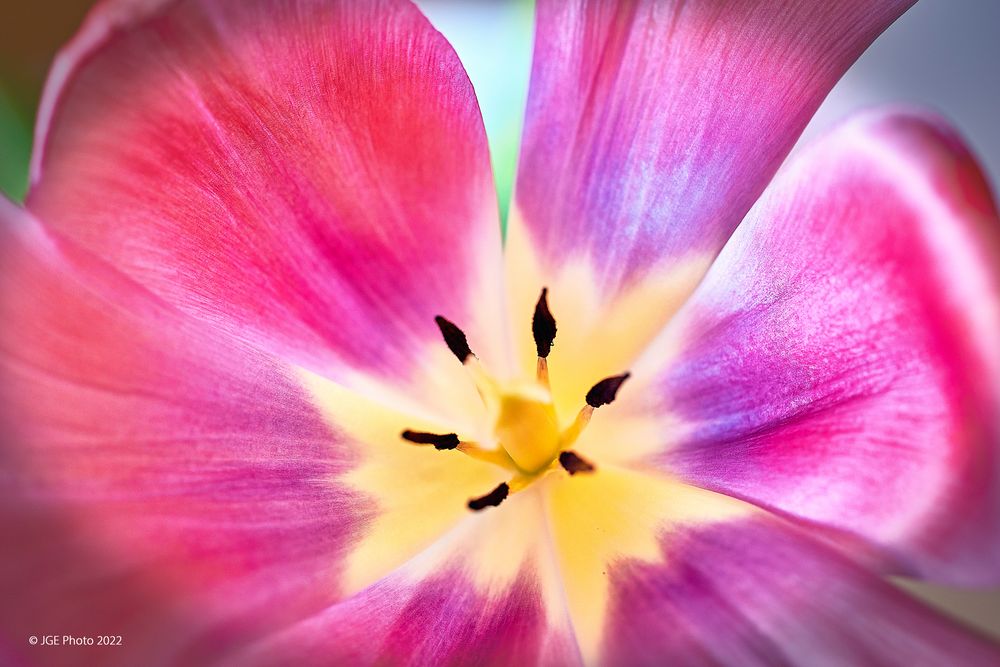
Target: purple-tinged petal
{"points": [[609, 516], [311, 177], [840, 363], [659, 572], [488, 594], [761, 592], [652, 127]]}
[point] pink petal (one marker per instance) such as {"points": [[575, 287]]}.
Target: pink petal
{"points": [[839, 362], [152, 469], [308, 176], [659, 572], [651, 129], [487, 595], [762, 592], [54, 582]]}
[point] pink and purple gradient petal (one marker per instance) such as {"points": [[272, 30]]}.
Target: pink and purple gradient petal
{"points": [[187, 471], [652, 126], [762, 592], [253, 209], [839, 362], [311, 177], [486, 594], [440, 620]]}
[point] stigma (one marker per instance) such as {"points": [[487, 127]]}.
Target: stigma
{"points": [[527, 427], [528, 438]]}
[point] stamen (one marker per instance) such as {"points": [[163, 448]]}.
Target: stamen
{"points": [[543, 328], [526, 427], [604, 392], [491, 499], [574, 430], [542, 371], [543, 325], [450, 441], [574, 463], [495, 456], [454, 338], [456, 341], [440, 442]]}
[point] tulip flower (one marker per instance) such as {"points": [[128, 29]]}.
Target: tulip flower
{"points": [[275, 392]]}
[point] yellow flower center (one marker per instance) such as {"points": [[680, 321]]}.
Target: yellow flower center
{"points": [[526, 425]]}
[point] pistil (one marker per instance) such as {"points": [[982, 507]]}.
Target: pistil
{"points": [[456, 341]]}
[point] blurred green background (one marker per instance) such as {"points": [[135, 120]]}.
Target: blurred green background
{"points": [[15, 145], [30, 34]]}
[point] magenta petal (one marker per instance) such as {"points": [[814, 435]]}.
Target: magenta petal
{"points": [[309, 176], [152, 470], [653, 126], [762, 592], [486, 594], [442, 620], [840, 364]]}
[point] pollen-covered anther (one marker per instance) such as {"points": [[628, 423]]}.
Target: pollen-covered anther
{"points": [[573, 463], [491, 499], [456, 341], [543, 325], [543, 329], [440, 441], [602, 393], [606, 390], [454, 338]]}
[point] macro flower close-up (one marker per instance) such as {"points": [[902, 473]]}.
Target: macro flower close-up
{"points": [[279, 384]]}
